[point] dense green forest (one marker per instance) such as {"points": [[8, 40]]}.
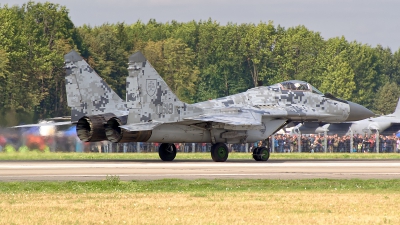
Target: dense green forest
{"points": [[198, 59]]}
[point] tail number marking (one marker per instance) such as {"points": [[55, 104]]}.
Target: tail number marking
{"points": [[166, 108]]}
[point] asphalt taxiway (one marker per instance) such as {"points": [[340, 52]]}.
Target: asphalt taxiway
{"points": [[205, 169]]}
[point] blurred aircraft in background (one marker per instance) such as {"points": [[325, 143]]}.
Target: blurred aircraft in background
{"points": [[385, 125]]}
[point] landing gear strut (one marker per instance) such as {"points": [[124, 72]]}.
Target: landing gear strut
{"points": [[167, 151], [261, 154], [219, 152]]}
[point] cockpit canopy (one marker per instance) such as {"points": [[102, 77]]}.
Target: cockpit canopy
{"points": [[297, 85]]}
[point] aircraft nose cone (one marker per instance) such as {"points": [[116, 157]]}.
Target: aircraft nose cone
{"points": [[358, 112]]}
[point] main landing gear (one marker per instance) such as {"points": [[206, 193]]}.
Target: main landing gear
{"points": [[167, 151], [219, 152]]}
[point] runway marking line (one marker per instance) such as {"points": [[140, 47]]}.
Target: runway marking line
{"points": [[194, 174], [195, 165]]}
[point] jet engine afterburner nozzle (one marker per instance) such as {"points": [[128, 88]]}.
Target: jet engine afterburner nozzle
{"points": [[113, 131], [116, 134], [91, 128]]}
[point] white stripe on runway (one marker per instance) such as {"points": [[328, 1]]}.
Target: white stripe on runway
{"points": [[179, 175], [197, 165]]}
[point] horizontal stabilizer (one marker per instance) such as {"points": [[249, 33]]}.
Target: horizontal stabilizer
{"points": [[141, 126], [45, 124]]}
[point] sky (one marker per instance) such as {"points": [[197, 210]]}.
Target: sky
{"points": [[370, 22]]}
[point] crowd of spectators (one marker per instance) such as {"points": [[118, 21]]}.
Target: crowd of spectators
{"points": [[336, 143], [279, 143]]}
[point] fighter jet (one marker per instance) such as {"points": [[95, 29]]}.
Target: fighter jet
{"points": [[153, 113], [386, 125]]}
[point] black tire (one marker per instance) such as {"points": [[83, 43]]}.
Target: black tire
{"points": [[263, 154], [167, 151], [219, 152], [255, 154]]}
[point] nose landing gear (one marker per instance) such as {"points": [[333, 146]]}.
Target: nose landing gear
{"points": [[261, 154]]}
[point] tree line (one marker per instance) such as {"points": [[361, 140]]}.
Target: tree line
{"points": [[199, 60]]}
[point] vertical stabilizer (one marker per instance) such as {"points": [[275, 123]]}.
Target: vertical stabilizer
{"points": [[87, 93], [397, 110], [148, 96]]}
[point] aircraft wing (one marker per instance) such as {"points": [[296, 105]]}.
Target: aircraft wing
{"points": [[233, 119], [45, 124], [141, 126]]}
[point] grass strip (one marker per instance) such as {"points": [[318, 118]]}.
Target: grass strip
{"points": [[306, 207], [289, 207], [33, 155], [174, 201], [114, 184]]}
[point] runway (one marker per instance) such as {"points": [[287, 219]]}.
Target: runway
{"points": [[204, 169]]}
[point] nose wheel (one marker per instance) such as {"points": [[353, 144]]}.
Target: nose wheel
{"points": [[219, 152], [167, 151], [261, 154]]}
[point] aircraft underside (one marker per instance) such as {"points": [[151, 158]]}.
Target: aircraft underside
{"points": [[219, 150], [91, 129]]}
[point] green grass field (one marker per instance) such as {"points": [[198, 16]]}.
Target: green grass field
{"points": [[33, 155], [173, 201], [114, 184]]}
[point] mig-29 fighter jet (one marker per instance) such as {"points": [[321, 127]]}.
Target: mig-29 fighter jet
{"points": [[153, 113]]}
